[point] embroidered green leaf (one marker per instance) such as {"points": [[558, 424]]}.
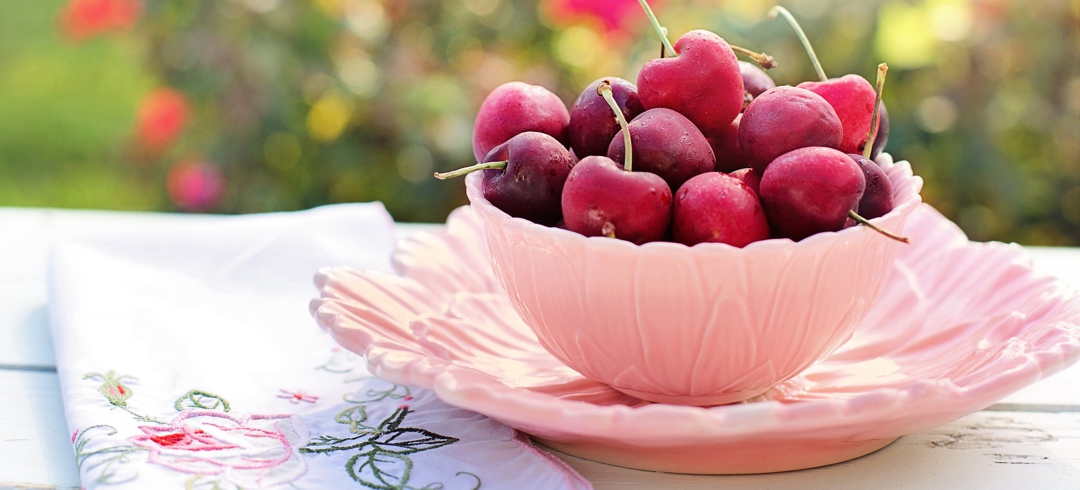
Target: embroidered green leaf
{"points": [[113, 387], [407, 441], [380, 470], [196, 399], [355, 417], [105, 460], [394, 392]]}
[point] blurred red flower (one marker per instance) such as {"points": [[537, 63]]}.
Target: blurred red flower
{"points": [[83, 19], [612, 14], [161, 117], [195, 186]]}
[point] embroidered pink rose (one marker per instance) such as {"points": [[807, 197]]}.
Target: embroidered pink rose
{"points": [[252, 451]]}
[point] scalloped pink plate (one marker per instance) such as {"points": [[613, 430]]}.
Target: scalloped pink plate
{"points": [[958, 326]]}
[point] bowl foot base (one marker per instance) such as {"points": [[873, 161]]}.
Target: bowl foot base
{"points": [[697, 401], [762, 456]]}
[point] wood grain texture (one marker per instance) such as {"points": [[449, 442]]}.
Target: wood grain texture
{"points": [[35, 446]]}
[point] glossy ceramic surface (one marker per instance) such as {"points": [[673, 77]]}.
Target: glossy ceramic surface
{"points": [[703, 325], [957, 326]]}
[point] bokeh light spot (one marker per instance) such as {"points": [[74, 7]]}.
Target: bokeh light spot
{"points": [[577, 46], [481, 7], [904, 39], [936, 114], [415, 163], [328, 117], [360, 75], [950, 19]]}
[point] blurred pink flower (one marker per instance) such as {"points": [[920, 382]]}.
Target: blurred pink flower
{"points": [[84, 19], [195, 186], [161, 117], [612, 14]]}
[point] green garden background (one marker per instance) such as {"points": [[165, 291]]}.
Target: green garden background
{"points": [[241, 106]]}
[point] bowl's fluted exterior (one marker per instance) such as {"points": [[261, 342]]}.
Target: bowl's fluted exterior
{"points": [[701, 325]]}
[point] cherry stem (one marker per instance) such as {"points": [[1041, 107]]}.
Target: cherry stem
{"points": [[802, 37], [604, 90], [863, 221], [882, 69], [659, 30], [663, 49], [470, 169], [762, 59]]}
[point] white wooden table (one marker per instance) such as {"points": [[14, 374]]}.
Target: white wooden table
{"points": [[1028, 440]]}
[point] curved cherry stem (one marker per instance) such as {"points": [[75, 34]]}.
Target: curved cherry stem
{"points": [[604, 90], [863, 221], [762, 59], [470, 169], [882, 69], [802, 37], [659, 30]]}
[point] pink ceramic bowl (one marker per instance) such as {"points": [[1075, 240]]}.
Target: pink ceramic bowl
{"points": [[703, 325]]}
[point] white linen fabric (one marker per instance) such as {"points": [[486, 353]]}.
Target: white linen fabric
{"points": [[187, 359]]}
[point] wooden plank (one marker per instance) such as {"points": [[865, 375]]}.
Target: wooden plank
{"points": [[35, 446], [985, 450]]}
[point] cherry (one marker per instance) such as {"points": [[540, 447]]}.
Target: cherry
{"points": [[715, 207], [700, 81], [524, 176], [726, 148], [602, 199], [882, 137], [750, 177], [851, 95], [853, 99], [517, 107], [667, 144], [811, 190], [877, 199], [591, 124], [755, 80], [784, 119]]}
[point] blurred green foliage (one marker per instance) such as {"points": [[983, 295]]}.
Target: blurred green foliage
{"points": [[308, 102]]}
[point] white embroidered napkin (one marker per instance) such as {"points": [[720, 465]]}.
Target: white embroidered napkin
{"points": [[187, 359]]}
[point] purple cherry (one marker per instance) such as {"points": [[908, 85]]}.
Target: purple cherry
{"points": [[811, 190], [877, 199], [524, 176], [591, 123], [667, 144]]}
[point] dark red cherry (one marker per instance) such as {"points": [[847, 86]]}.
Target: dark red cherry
{"points": [[755, 80], [591, 123], [784, 119], [811, 190], [602, 199], [702, 82], [524, 176], [726, 148], [667, 144], [750, 177], [852, 97], [715, 207], [877, 199]]}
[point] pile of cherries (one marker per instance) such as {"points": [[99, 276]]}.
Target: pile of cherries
{"points": [[747, 160]]}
